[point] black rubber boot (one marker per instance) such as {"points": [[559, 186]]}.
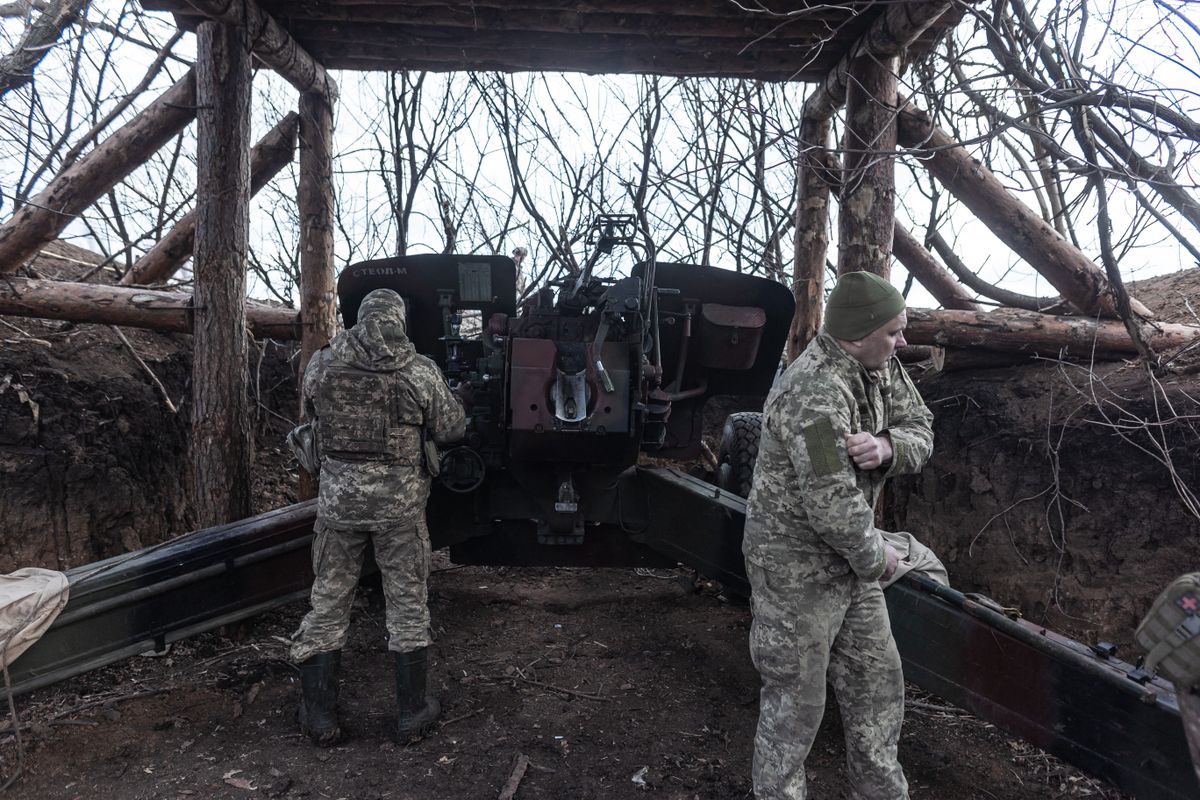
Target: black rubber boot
{"points": [[318, 703], [418, 711]]}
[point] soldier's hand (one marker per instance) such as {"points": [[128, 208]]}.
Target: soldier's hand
{"points": [[868, 451], [465, 394], [893, 560]]}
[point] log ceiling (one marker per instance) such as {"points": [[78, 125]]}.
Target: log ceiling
{"points": [[771, 40]]}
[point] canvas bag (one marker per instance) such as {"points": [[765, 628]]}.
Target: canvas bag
{"points": [[303, 442], [1170, 633]]}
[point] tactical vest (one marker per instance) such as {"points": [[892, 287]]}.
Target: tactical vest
{"points": [[368, 416], [1170, 633]]}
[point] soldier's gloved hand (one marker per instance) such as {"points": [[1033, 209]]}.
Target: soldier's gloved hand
{"points": [[893, 560], [868, 451]]}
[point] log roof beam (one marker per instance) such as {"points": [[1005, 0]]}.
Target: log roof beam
{"points": [[773, 40], [272, 44], [1011, 330], [128, 306], [892, 33]]}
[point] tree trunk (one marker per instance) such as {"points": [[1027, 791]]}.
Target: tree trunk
{"points": [[221, 441], [135, 308], [44, 217], [867, 208], [317, 290], [1071, 272], [812, 234], [172, 251], [1010, 330], [932, 275]]}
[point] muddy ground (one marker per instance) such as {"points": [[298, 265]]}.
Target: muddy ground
{"points": [[1047, 490], [613, 684]]}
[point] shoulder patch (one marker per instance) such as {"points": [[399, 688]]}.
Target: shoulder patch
{"points": [[821, 443]]}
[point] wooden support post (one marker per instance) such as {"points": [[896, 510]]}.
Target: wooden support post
{"points": [[172, 251], [932, 275], [1017, 225], [892, 32], [272, 44], [221, 440], [121, 305], [42, 219], [867, 209], [317, 290], [1009, 330], [812, 234]]}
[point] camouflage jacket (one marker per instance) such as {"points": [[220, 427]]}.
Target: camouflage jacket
{"points": [[372, 400], [811, 511]]}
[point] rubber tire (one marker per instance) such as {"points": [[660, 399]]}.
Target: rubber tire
{"points": [[738, 452]]}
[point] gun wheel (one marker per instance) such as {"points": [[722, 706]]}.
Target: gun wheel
{"points": [[738, 452]]}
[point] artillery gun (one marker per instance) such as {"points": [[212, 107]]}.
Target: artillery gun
{"points": [[567, 390]]}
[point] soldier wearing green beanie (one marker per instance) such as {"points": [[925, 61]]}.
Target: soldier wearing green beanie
{"points": [[860, 303], [842, 418]]}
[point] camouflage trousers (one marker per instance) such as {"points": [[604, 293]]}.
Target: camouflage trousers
{"points": [[402, 553], [806, 632]]}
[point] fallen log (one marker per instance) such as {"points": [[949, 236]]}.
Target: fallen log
{"points": [[132, 307], [1012, 330], [43, 218], [271, 154]]}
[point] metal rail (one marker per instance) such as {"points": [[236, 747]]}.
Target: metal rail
{"points": [[140, 601]]}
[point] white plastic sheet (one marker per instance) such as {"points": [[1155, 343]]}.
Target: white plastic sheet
{"points": [[30, 600]]}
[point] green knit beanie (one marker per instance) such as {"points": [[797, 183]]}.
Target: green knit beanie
{"points": [[860, 303]]}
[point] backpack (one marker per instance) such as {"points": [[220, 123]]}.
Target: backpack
{"points": [[1170, 633]]}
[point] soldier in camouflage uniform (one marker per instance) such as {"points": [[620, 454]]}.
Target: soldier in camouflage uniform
{"points": [[841, 419], [373, 400]]}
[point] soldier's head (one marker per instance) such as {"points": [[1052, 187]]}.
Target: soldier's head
{"points": [[866, 315], [385, 308]]}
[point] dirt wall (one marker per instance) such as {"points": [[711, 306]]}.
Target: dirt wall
{"points": [[1055, 488], [93, 463]]}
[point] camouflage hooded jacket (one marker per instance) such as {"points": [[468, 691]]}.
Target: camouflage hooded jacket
{"points": [[372, 398], [811, 511]]}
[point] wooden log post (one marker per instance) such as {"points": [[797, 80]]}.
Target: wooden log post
{"points": [[1017, 225], [867, 209], [812, 234], [272, 44], [132, 307], [42, 219], [317, 291], [1011, 330], [932, 275], [271, 154], [221, 440]]}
